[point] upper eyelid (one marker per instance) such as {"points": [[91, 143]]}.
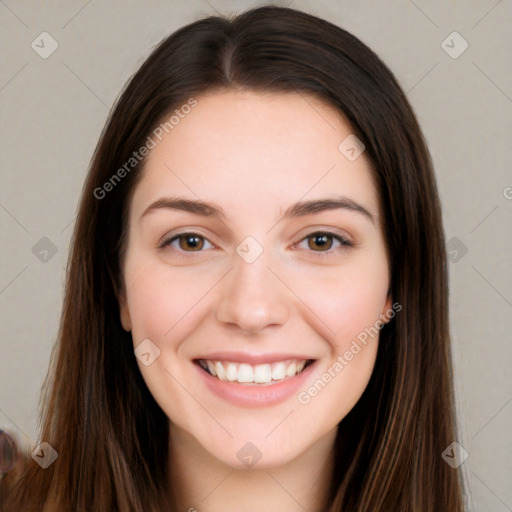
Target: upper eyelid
{"points": [[166, 240], [334, 235], [337, 236], [344, 242], [334, 232]]}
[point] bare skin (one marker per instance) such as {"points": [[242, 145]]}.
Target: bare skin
{"points": [[307, 294]]}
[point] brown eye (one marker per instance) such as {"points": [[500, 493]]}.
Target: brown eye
{"points": [[325, 243], [320, 241], [186, 242], [191, 241]]}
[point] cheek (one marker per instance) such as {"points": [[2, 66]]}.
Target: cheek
{"points": [[345, 301], [164, 308], [161, 303], [350, 305], [153, 308]]}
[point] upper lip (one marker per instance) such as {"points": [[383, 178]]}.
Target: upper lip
{"points": [[253, 359]]}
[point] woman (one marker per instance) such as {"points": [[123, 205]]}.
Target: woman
{"points": [[256, 310]]}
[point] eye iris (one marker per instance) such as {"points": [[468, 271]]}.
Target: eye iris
{"points": [[320, 240], [193, 242]]}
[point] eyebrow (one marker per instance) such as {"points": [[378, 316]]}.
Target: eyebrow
{"points": [[303, 208], [299, 209]]}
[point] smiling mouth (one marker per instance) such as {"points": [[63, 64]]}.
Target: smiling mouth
{"points": [[260, 374]]}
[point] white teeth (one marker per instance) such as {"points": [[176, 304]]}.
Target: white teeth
{"points": [[259, 374], [245, 373], [262, 373], [211, 367], [231, 372], [219, 370], [290, 371], [278, 371]]}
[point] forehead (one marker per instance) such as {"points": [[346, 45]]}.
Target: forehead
{"points": [[247, 149]]}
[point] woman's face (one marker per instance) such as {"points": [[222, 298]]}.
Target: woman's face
{"points": [[255, 249]]}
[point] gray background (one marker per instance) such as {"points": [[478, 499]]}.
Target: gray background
{"points": [[53, 109]]}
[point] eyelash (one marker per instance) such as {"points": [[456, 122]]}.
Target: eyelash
{"points": [[344, 243]]}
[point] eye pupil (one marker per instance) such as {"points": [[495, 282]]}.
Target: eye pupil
{"points": [[191, 242], [321, 240]]}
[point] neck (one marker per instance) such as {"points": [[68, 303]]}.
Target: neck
{"points": [[202, 483]]}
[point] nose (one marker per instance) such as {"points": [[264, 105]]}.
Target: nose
{"points": [[252, 297]]}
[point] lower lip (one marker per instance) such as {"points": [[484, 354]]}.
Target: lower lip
{"points": [[257, 395]]}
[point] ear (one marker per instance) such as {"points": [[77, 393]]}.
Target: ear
{"points": [[385, 314], [124, 311]]}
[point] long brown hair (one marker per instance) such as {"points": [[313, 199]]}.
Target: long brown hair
{"points": [[110, 434]]}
